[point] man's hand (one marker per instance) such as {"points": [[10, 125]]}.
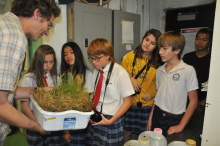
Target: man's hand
{"points": [[37, 127], [23, 92], [48, 88], [10, 115]]}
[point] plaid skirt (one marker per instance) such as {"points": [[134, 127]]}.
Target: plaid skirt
{"points": [[78, 137], [136, 119], [36, 139], [111, 135]]}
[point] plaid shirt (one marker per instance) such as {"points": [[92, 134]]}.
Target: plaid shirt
{"points": [[13, 45]]}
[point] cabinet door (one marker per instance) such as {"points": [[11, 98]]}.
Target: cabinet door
{"points": [[121, 48], [86, 23]]}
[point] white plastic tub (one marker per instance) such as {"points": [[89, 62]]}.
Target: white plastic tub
{"points": [[55, 121]]}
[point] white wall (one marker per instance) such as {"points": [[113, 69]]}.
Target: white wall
{"points": [[211, 128], [156, 10]]}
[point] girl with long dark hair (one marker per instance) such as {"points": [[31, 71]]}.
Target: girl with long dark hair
{"points": [[73, 67]]}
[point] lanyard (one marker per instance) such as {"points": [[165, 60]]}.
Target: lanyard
{"points": [[106, 82], [148, 67]]}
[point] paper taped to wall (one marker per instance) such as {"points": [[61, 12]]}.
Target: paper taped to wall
{"points": [[127, 32]]}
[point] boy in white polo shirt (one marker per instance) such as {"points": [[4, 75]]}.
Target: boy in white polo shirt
{"points": [[174, 80]]}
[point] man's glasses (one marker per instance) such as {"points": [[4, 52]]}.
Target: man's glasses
{"points": [[94, 58], [50, 26]]}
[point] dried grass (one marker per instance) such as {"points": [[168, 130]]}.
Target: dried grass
{"points": [[69, 95]]}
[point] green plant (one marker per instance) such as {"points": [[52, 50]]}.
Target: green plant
{"points": [[66, 95]]}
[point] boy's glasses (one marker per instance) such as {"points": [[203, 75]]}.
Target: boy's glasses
{"points": [[94, 58], [50, 26]]}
